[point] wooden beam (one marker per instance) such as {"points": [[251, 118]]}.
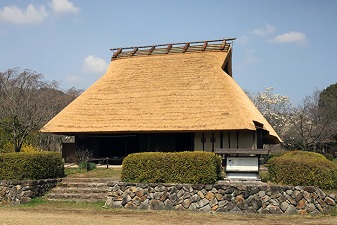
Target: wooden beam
{"points": [[223, 45], [186, 47], [204, 46], [117, 53], [134, 51], [151, 50], [241, 151], [168, 48]]}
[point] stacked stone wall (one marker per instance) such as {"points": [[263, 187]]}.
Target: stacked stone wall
{"points": [[262, 199], [20, 192]]}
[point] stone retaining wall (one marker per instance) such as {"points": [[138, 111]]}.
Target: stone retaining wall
{"points": [[20, 192], [241, 198]]}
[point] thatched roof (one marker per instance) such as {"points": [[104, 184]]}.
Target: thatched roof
{"points": [[164, 92]]}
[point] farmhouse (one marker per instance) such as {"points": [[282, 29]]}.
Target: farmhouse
{"points": [[170, 97]]}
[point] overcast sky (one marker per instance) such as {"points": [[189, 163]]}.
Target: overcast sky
{"points": [[290, 45]]}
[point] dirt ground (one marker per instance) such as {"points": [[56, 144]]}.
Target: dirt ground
{"points": [[11, 216]]}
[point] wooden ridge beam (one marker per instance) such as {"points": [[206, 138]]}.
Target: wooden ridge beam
{"points": [[178, 43], [222, 44]]}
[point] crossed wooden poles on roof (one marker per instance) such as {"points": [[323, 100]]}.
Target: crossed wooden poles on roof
{"points": [[222, 44]]}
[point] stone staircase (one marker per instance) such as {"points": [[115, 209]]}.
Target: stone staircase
{"points": [[80, 190]]}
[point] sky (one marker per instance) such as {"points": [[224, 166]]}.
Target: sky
{"points": [[290, 45]]}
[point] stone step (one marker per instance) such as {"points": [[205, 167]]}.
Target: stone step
{"points": [[85, 180], [81, 185], [80, 190]]}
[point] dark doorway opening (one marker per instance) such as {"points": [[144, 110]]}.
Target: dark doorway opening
{"points": [[184, 142], [120, 145]]}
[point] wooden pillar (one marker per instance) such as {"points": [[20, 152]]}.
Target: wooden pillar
{"points": [[221, 139], [203, 141], [237, 139], [259, 133], [213, 140], [254, 144], [229, 139]]}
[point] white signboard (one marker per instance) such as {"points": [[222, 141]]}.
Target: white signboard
{"points": [[242, 164]]}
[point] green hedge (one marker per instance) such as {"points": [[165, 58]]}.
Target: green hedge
{"points": [[22, 166], [87, 166], [301, 168], [173, 167]]}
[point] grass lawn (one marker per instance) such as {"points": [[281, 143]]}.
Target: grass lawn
{"points": [[113, 173]]}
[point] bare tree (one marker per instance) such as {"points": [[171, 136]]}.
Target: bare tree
{"points": [[27, 102], [19, 110], [312, 125]]}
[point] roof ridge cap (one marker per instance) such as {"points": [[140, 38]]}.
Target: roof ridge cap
{"points": [[181, 47]]}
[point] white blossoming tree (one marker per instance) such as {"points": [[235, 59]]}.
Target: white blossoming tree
{"points": [[308, 126], [275, 108]]}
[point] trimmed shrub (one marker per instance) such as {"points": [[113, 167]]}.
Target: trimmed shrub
{"points": [[6, 146], [23, 166], [172, 167], [328, 156], [87, 165], [301, 168]]}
